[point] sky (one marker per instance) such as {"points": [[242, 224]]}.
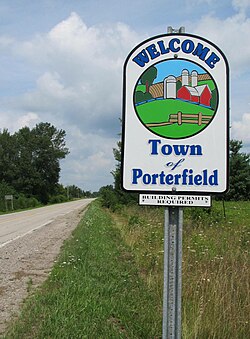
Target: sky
{"points": [[62, 62], [175, 68]]}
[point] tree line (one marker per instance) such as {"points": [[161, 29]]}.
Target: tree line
{"points": [[30, 164]]}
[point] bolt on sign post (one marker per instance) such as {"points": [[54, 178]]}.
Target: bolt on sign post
{"points": [[175, 143]]}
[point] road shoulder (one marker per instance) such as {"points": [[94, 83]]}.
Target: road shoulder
{"points": [[26, 262]]}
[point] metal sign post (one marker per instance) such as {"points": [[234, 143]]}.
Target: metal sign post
{"points": [[171, 324], [173, 225]]}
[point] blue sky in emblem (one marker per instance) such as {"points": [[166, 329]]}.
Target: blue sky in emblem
{"points": [[175, 67], [62, 62]]}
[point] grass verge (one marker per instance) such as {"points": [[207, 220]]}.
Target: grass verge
{"points": [[108, 280], [215, 272], [94, 290]]}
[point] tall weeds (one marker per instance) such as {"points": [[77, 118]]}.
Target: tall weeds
{"points": [[215, 274]]}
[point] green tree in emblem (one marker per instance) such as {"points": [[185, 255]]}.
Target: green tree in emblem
{"points": [[148, 77]]}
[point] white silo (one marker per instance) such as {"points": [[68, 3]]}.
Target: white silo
{"points": [[194, 78], [184, 77], [169, 89]]}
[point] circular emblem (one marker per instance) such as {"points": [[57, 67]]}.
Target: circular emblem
{"points": [[175, 98]]}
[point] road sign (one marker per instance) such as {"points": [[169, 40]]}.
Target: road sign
{"points": [[8, 197], [175, 139], [175, 116], [175, 200]]}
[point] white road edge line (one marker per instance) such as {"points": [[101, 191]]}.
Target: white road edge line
{"points": [[22, 235]]}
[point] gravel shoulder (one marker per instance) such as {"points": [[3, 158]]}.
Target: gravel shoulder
{"points": [[28, 260]]}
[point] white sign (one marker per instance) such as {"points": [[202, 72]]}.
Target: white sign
{"points": [[175, 200], [8, 197], [175, 116]]}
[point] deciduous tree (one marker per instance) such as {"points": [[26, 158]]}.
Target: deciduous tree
{"points": [[30, 159], [148, 77]]}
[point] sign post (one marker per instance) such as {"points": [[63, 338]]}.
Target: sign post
{"points": [[175, 144], [171, 322], [9, 198]]}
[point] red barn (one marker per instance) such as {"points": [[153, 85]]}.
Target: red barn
{"points": [[188, 93], [204, 94], [199, 94]]}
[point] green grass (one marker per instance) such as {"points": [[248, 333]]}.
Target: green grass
{"points": [[215, 292], [210, 83], [216, 273], [109, 278], [160, 110], [94, 291]]}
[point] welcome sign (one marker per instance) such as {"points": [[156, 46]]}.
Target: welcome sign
{"points": [[175, 116]]}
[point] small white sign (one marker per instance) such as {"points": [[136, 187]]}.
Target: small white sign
{"points": [[175, 200], [8, 197]]}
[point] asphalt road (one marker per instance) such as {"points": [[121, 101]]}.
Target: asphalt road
{"points": [[16, 225]]}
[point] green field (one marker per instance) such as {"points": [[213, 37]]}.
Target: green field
{"points": [[108, 280], [159, 111], [210, 83]]}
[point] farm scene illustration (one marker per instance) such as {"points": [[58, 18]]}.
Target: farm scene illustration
{"points": [[175, 99]]}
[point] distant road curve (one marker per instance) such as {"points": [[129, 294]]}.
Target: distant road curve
{"points": [[17, 225]]}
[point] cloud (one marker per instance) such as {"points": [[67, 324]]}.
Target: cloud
{"points": [[81, 71], [50, 84], [241, 5], [230, 34], [28, 120], [76, 84], [5, 43], [71, 44], [90, 160], [199, 2], [79, 89], [240, 129]]}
